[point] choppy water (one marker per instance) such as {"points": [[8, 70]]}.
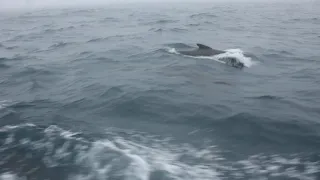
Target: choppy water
{"points": [[99, 93]]}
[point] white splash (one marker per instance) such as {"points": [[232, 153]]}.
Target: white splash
{"points": [[9, 176], [3, 104], [230, 53], [173, 51], [238, 54]]}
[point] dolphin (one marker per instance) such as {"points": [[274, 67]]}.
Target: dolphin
{"points": [[204, 50]]}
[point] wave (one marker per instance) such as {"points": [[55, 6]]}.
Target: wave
{"points": [[40, 152], [4, 66], [142, 56], [309, 19], [256, 128], [221, 82], [59, 29], [230, 53], [112, 92], [33, 16], [14, 58], [171, 29], [208, 22], [12, 47], [19, 106], [156, 29], [109, 19], [278, 53], [266, 97], [27, 71], [96, 40], [304, 167], [160, 22], [79, 11], [117, 37], [178, 29], [273, 56], [16, 38], [59, 45], [203, 15], [165, 21], [84, 56], [85, 53], [193, 24]]}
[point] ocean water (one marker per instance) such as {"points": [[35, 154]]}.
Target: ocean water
{"points": [[101, 93]]}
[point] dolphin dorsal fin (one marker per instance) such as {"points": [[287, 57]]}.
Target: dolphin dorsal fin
{"points": [[201, 46]]}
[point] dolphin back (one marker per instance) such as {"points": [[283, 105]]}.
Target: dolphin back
{"points": [[203, 50]]}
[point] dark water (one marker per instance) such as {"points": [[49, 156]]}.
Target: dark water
{"points": [[99, 93]]}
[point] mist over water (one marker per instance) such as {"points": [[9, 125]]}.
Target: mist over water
{"points": [[100, 92]]}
